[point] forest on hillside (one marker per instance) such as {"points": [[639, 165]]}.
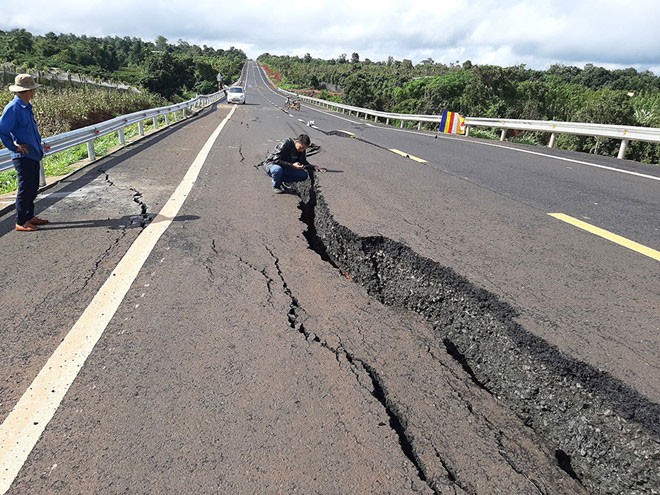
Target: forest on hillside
{"points": [[563, 93], [173, 71]]}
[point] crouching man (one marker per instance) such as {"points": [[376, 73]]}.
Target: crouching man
{"points": [[288, 163]]}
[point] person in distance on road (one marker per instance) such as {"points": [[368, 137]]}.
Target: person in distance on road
{"points": [[19, 133], [288, 163]]}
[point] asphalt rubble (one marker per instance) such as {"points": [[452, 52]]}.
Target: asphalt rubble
{"points": [[605, 433]]}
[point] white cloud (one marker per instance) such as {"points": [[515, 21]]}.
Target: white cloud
{"points": [[613, 33]]}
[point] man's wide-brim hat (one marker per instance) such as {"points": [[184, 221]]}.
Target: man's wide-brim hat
{"points": [[23, 82]]}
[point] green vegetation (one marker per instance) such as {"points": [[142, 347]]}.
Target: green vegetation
{"points": [[172, 71], [59, 111], [592, 94], [65, 162], [158, 73], [62, 110]]}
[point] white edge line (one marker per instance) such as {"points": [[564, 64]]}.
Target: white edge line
{"points": [[330, 114], [605, 167], [24, 425], [333, 114]]}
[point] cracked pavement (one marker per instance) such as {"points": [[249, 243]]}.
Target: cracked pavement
{"points": [[243, 361]]}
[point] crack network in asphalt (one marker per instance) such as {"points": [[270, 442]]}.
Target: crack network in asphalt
{"points": [[295, 314], [604, 432], [144, 217]]}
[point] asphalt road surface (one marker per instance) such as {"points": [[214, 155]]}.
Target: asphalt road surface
{"points": [[396, 326]]}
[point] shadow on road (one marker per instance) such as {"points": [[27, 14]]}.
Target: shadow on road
{"points": [[125, 222]]}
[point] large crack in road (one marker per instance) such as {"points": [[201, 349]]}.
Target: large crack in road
{"points": [[605, 433], [295, 316]]}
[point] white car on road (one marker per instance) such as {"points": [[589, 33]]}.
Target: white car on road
{"points": [[235, 94]]}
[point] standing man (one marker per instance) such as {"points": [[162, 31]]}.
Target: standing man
{"points": [[19, 133], [288, 163]]}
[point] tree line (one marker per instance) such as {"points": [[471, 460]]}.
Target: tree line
{"points": [[173, 71], [563, 93]]}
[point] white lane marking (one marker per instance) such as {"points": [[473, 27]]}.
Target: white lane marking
{"points": [[394, 129], [24, 425], [652, 177], [465, 140]]}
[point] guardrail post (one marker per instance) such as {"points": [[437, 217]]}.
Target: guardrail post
{"points": [[622, 149], [89, 135], [624, 134], [91, 153]]}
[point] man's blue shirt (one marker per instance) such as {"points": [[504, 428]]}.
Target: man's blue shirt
{"points": [[18, 126]]}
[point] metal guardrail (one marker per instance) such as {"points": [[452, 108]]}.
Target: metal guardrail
{"points": [[624, 133], [87, 135]]}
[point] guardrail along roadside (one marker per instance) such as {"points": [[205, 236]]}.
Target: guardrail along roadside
{"points": [[87, 135]]}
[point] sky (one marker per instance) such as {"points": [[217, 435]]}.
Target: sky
{"points": [[537, 33]]}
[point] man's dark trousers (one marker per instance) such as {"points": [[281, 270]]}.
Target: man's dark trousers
{"points": [[28, 187]]}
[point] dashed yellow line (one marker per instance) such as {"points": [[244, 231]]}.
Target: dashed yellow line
{"points": [[408, 155], [617, 239]]}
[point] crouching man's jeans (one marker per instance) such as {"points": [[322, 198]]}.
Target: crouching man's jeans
{"points": [[286, 174]]}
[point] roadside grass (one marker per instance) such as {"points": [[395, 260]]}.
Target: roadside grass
{"points": [[70, 160], [491, 134], [58, 111]]}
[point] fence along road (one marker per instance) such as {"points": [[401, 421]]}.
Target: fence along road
{"points": [[238, 351]]}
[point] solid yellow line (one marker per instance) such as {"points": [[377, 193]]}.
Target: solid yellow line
{"points": [[622, 241], [407, 155], [21, 429]]}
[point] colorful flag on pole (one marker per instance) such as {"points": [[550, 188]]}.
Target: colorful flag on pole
{"points": [[452, 123]]}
